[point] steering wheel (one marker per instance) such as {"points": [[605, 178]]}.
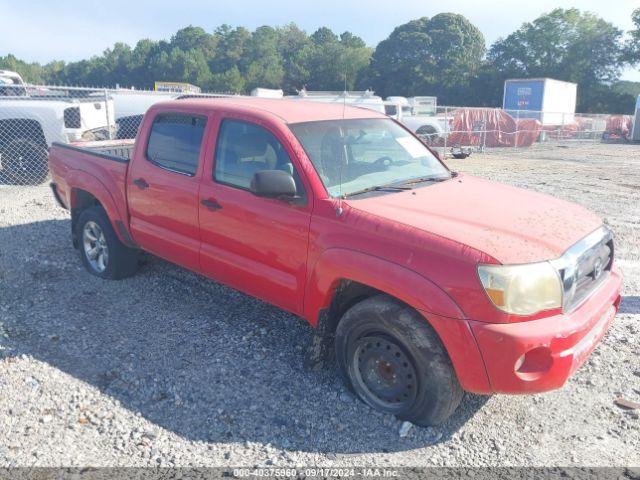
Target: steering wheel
{"points": [[383, 162]]}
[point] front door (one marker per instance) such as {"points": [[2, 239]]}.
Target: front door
{"points": [[257, 245], [163, 186]]}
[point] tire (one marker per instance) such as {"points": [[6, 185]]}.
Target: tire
{"points": [[427, 134], [95, 234], [394, 361], [24, 162]]}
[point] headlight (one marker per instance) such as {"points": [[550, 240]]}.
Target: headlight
{"points": [[522, 289]]}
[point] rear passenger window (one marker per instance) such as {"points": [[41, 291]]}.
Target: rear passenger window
{"points": [[175, 140]]}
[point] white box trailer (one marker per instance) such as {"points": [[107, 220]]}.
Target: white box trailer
{"points": [[553, 102]]}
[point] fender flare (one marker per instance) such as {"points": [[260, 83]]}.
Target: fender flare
{"points": [[437, 308], [336, 264], [81, 180]]}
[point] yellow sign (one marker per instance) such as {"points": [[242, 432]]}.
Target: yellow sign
{"points": [[175, 87]]}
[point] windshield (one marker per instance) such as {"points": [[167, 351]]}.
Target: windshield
{"points": [[355, 155]]}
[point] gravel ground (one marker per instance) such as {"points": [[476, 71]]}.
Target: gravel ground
{"points": [[167, 368]]}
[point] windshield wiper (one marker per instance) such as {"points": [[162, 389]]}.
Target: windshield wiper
{"points": [[426, 179], [379, 188]]}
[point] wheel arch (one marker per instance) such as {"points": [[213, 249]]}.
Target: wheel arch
{"points": [[340, 271], [87, 191], [341, 278], [426, 128]]}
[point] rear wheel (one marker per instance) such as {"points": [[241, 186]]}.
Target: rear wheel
{"points": [[24, 162], [427, 134], [394, 361], [101, 251]]}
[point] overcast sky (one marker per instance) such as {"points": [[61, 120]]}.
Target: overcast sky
{"points": [[43, 30]]}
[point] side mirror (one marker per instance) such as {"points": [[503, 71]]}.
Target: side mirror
{"points": [[273, 184]]}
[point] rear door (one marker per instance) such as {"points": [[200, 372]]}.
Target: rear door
{"points": [[163, 184], [255, 244]]}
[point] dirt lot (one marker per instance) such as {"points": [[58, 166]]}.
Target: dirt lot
{"points": [[167, 368]]}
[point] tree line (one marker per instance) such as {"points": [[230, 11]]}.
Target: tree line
{"points": [[444, 56]]}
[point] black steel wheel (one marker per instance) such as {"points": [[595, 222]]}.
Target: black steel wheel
{"points": [[394, 361], [384, 374]]}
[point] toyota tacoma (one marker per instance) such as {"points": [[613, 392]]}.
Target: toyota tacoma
{"points": [[421, 281]]}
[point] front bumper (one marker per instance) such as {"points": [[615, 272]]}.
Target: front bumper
{"points": [[540, 355]]}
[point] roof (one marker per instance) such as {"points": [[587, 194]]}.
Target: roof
{"points": [[537, 79], [287, 110]]}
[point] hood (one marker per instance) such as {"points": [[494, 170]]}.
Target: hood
{"points": [[511, 224]]}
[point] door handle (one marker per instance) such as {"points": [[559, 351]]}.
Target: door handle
{"points": [[210, 204], [141, 183]]}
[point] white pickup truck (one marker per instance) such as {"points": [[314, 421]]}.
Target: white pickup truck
{"points": [[32, 118], [418, 114]]}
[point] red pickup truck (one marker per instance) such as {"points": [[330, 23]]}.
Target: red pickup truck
{"points": [[423, 281]]}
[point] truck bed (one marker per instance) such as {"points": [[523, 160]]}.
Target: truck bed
{"points": [[96, 167]]}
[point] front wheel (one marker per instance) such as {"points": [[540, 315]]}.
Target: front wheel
{"points": [[427, 134], [101, 251], [394, 361]]}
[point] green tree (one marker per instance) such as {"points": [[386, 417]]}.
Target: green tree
{"points": [[605, 99], [627, 87], [54, 72], [229, 59], [115, 65], [330, 60], [230, 48], [230, 81], [30, 72], [564, 44], [632, 48], [189, 66], [139, 75], [442, 56], [262, 62], [194, 38], [428, 56], [293, 47]]}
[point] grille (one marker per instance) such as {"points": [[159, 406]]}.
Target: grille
{"points": [[585, 266]]}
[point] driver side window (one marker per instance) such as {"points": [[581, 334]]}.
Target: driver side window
{"points": [[245, 148]]}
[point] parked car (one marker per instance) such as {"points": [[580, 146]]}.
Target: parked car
{"points": [[31, 119], [423, 281], [419, 114]]}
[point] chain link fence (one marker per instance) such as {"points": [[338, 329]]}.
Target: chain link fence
{"points": [[458, 131], [33, 117]]}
